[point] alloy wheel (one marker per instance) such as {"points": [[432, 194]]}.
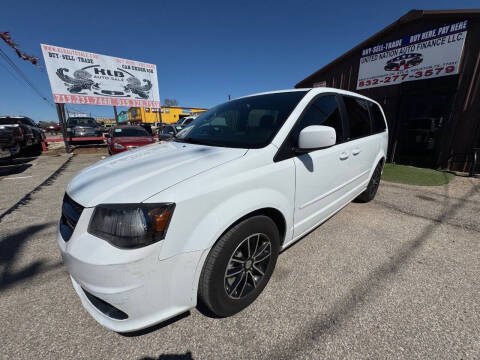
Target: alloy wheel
{"points": [[247, 265], [376, 180]]}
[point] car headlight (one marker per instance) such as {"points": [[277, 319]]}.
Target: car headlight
{"points": [[118, 146], [130, 226]]}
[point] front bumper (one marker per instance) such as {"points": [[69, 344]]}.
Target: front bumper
{"points": [[135, 282]]}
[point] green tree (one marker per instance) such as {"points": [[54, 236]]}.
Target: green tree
{"points": [[170, 102]]}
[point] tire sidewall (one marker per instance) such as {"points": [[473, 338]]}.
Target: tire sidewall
{"points": [[222, 304], [372, 187]]}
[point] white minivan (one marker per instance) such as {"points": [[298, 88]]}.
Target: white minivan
{"points": [[152, 232]]}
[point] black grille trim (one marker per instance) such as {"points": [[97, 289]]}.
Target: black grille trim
{"points": [[107, 309], [71, 211]]}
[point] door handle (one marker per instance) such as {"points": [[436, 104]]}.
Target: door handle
{"points": [[356, 151], [344, 155]]}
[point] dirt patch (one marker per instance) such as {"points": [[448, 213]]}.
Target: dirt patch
{"points": [[89, 149], [99, 149]]}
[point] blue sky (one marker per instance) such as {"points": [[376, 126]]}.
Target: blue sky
{"points": [[203, 50]]}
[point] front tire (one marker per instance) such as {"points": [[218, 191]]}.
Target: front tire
{"points": [[239, 266], [372, 187]]}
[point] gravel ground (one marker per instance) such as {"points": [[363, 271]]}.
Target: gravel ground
{"points": [[398, 278]]}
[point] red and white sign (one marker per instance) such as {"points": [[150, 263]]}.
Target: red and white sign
{"points": [[80, 77]]}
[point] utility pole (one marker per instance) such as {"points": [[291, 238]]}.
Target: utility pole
{"points": [[63, 123], [116, 115]]}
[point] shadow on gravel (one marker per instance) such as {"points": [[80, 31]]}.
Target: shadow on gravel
{"points": [[156, 327], [186, 356], [28, 197], [9, 249], [13, 169], [345, 307]]}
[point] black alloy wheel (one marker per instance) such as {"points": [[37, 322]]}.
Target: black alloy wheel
{"points": [[247, 265], [238, 266], [371, 190]]}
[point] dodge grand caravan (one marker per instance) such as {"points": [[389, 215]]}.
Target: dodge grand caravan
{"points": [[152, 232]]}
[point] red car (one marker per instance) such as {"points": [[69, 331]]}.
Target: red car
{"points": [[126, 137]]}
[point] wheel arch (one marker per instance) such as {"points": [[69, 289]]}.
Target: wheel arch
{"points": [[274, 214], [271, 212]]}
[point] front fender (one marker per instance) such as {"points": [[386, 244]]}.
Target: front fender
{"points": [[220, 218], [212, 224], [208, 204]]}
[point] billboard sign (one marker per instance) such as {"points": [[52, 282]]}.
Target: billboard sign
{"points": [[80, 77], [433, 53]]}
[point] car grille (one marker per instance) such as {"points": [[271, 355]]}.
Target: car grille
{"points": [[71, 212]]}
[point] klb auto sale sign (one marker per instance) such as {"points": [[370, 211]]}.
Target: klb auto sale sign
{"points": [[426, 55], [81, 77]]}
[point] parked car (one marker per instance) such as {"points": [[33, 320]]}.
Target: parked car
{"points": [[53, 129], [168, 131], [146, 233], [106, 127], [126, 137], [83, 127], [147, 127], [9, 142], [29, 133]]}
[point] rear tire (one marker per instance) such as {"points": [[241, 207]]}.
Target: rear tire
{"points": [[371, 191], [239, 266]]}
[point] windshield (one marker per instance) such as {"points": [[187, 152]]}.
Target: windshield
{"points": [[129, 132], [82, 122], [9, 121], [250, 122]]}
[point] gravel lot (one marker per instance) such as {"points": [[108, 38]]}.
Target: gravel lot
{"points": [[398, 278]]}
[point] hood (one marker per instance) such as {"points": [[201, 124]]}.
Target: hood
{"points": [[84, 127], [132, 139], [136, 175]]}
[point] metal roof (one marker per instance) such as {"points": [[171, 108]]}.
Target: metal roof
{"points": [[412, 15]]}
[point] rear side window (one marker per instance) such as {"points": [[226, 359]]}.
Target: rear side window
{"points": [[358, 117], [323, 111], [378, 122], [27, 122]]}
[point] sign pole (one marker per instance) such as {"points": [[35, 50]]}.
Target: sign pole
{"points": [[63, 124], [116, 115]]}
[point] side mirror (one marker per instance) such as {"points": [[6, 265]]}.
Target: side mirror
{"points": [[316, 137]]}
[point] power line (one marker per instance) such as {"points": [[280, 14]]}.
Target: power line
{"points": [[10, 72], [23, 76]]}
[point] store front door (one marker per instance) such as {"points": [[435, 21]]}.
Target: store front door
{"points": [[424, 113]]}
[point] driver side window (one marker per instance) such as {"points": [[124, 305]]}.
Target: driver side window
{"points": [[322, 111]]}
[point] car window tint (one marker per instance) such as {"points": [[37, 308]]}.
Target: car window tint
{"points": [[129, 132], [358, 117], [323, 111], [26, 121], [249, 122], [378, 122]]}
